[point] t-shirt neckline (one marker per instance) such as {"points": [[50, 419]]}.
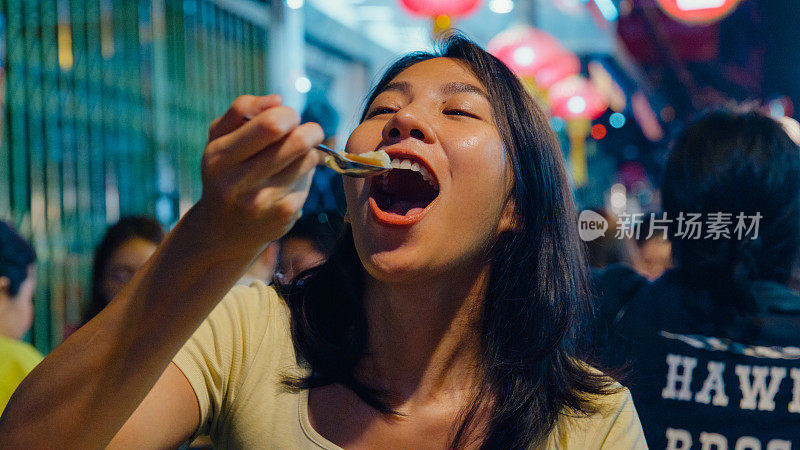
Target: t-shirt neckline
{"points": [[305, 424]]}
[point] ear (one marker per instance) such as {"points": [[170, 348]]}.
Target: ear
{"points": [[508, 219], [5, 284]]}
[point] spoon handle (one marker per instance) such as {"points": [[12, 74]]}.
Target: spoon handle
{"points": [[342, 165]]}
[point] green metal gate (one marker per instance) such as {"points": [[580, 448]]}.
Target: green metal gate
{"points": [[106, 108]]}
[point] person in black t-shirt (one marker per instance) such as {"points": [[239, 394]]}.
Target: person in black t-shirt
{"points": [[714, 344]]}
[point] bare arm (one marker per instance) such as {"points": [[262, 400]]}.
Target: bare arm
{"points": [[166, 418], [255, 180]]}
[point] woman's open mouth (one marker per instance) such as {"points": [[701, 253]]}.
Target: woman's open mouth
{"points": [[401, 196]]}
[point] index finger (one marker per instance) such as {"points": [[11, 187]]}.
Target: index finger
{"points": [[243, 108]]}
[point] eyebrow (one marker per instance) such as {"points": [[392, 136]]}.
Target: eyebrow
{"points": [[402, 87], [456, 87]]}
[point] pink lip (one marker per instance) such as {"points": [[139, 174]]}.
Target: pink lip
{"points": [[397, 220]]}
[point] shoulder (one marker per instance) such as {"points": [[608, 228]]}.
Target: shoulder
{"points": [[256, 296], [242, 342], [617, 281], [247, 312], [20, 353], [613, 424], [243, 319], [615, 287], [230, 338]]}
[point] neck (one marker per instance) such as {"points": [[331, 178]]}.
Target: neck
{"points": [[7, 318], [424, 339]]}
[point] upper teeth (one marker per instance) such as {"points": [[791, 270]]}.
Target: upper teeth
{"points": [[398, 163]]}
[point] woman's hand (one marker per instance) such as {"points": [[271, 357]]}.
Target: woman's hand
{"points": [[256, 170]]}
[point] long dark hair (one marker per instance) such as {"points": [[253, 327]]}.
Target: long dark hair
{"points": [[16, 254], [734, 162], [121, 232], [538, 288]]}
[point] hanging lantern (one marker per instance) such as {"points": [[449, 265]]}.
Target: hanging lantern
{"points": [[525, 50], [577, 101], [576, 98], [435, 8], [564, 66], [440, 10], [550, 73], [537, 58], [695, 12]]}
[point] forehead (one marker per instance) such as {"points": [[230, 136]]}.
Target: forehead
{"points": [[133, 247], [436, 73]]}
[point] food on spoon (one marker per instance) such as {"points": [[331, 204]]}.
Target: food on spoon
{"points": [[376, 158]]}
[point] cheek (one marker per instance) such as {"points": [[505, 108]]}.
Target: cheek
{"points": [[366, 137], [481, 187], [356, 193], [109, 288], [481, 151], [481, 173]]}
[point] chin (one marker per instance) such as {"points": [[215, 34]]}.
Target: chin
{"points": [[396, 266]]}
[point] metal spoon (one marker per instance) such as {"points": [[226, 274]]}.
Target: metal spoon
{"points": [[339, 162]]}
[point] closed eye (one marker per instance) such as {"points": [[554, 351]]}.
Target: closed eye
{"points": [[379, 111], [459, 112]]}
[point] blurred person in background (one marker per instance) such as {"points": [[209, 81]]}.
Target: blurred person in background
{"points": [[262, 268], [651, 254], [446, 318], [713, 342], [308, 244], [125, 248], [17, 283], [327, 191]]}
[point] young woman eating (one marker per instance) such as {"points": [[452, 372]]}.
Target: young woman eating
{"points": [[447, 317]]}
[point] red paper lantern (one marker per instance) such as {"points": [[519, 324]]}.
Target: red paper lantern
{"points": [[564, 66], [576, 98], [526, 50], [698, 11], [433, 8]]}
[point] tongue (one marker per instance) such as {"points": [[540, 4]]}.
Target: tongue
{"points": [[404, 207], [403, 192]]}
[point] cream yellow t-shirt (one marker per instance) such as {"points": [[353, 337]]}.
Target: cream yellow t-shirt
{"points": [[236, 358]]}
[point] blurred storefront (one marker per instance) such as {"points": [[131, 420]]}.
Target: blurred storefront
{"points": [[106, 108]]}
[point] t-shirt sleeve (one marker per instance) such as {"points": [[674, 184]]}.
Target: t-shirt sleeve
{"points": [[215, 359], [625, 430], [613, 424]]}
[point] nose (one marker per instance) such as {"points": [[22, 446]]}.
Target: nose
{"points": [[406, 124]]}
